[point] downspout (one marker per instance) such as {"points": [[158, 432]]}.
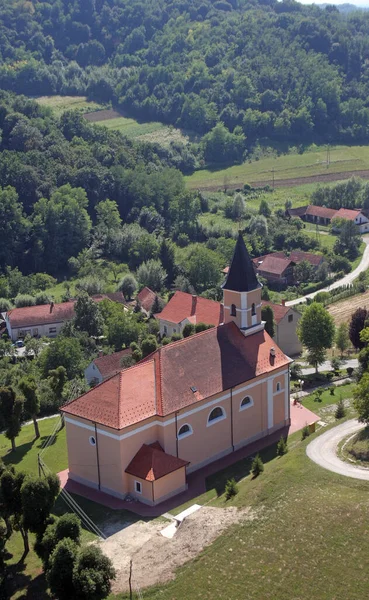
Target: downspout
{"points": [[232, 420], [152, 492], [97, 459], [289, 403], [176, 425]]}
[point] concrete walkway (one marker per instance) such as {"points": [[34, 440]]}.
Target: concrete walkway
{"points": [[346, 280], [323, 451], [326, 366]]}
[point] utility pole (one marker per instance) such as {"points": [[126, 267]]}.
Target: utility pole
{"points": [[273, 180], [328, 156], [130, 581]]}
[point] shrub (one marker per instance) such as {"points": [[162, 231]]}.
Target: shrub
{"points": [[42, 298], [329, 376], [305, 432], [231, 488], [331, 391], [5, 305], [128, 286], [349, 370], [296, 371], [90, 285], [188, 330], [257, 466], [24, 300], [318, 395], [336, 363], [340, 410], [175, 337], [165, 341], [282, 446]]}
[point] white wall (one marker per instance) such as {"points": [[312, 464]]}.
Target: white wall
{"points": [[50, 330], [92, 373], [167, 328]]}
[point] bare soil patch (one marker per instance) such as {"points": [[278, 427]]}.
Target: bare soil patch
{"points": [[341, 311], [156, 558], [102, 115]]}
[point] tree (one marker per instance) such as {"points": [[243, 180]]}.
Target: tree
{"points": [[264, 208], [257, 466], [11, 502], [107, 217], [38, 498], [67, 526], [62, 352], [168, 260], [282, 447], [157, 306], [13, 227], [203, 268], [267, 315], [188, 329], [60, 572], [258, 225], [342, 338], [316, 332], [303, 272], [11, 410], [28, 387], [357, 324], [361, 399], [87, 316], [92, 574], [151, 274], [239, 207], [148, 345], [340, 410], [128, 286]]}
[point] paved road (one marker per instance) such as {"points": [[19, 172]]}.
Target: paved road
{"points": [[323, 450], [326, 366], [346, 280]]}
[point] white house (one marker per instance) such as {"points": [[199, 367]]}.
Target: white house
{"points": [[354, 215], [185, 308], [105, 366]]}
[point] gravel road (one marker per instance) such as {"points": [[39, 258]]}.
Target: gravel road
{"points": [[323, 451]]}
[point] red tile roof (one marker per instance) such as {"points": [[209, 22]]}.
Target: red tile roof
{"points": [[146, 297], [30, 316], [43, 314], [210, 362], [320, 211], [194, 308], [109, 364], [152, 463], [279, 310], [314, 259], [346, 213], [274, 265]]}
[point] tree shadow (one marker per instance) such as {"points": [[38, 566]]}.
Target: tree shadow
{"points": [[45, 439], [238, 470], [16, 457]]}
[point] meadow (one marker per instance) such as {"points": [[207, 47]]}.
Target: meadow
{"points": [[60, 104]]}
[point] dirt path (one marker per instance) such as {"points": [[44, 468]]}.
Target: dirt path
{"points": [[155, 558], [323, 451]]}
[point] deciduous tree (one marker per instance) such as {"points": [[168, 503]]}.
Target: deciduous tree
{"points": [[316, 332]]}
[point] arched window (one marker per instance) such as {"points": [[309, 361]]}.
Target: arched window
{"points": [[184, 431], [278, 387], [217, 414], [246, 402], [233, 310], [253, 309]]}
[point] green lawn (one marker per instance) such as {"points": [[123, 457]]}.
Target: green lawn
{"points": [[341, 391], [289, 166], [307, 540], [60, 104]]}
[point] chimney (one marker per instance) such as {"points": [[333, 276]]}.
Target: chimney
{"points": [[193, 307], [283, 301], [272, 352], [51, 307]]}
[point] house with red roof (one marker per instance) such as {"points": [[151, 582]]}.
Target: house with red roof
{"points": [[46, 320], [357, 216], [319, 214], [105, 366], [324, 216], [185, 308], [141, 431], [277, 270], [286, 320]]}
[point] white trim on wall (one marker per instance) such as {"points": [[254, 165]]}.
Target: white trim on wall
{"points": [[170, 421]]}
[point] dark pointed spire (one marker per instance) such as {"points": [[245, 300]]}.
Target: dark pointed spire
{"points": [[241, 275]]}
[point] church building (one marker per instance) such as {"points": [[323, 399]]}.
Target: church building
{"points": [[189, 403]]}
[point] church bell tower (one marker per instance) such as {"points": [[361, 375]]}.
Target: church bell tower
{"points": [[242, 292]]}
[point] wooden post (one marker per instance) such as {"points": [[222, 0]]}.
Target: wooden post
{"points": [[130, 580]]}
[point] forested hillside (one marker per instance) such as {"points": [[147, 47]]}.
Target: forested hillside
{"points": [[267, 69]]}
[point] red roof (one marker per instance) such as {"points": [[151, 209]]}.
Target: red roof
{"points": [[274, 265], [113, 296], [109, 364], [179, 375], [152, 463], [194, 308], [320, 211], [146, 297], [314, 259], [348, 214], [31, 316], [279, 310]]}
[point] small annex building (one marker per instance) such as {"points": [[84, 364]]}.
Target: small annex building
{"points": [[187, 404], [286, 321], [105, 366]]}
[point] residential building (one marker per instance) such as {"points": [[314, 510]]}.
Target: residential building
{"points": [[324, 216], [146, 298], [105, 366], [187, 404], [46, 320], [277, 270], [357, 216], [319, 214], [286, 321], [185, 308]]}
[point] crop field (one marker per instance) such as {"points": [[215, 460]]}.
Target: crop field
{"points": [[342, 311], [60, 104], [289, 170]]}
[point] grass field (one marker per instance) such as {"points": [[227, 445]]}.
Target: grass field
{"points": [[344, 159], [343, 391], [60, 104]]}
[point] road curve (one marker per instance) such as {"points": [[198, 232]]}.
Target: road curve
{"points": [[346, 280], [323, 451]]}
